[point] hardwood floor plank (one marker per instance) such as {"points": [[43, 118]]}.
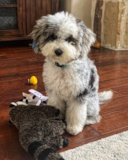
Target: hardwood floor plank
{"points": [[112, 121], [114, 82], [111, 68], [12, 63], [114, 105], [13, 71], [122, 89], [113, 75], [8, 132], [12, 150]]}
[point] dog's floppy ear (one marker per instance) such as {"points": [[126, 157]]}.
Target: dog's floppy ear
{"points": [[38, 32], [87, 37]]}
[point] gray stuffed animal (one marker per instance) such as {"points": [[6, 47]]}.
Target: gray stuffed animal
{"points": [[39, 130]]}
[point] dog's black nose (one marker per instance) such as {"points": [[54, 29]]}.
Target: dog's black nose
{"points": [[58, 52]]}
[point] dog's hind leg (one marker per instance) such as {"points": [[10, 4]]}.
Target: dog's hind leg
{"points": [[93, 110], [76, 115]]}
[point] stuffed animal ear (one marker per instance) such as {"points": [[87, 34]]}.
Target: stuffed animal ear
{"points": [[38, 32], [86, 38], [27, 96]]}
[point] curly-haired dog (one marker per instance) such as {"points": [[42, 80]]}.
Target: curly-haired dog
{"points": [[70, 77]]}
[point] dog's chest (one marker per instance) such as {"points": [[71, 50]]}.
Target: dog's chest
{"points": [[64, 82]]}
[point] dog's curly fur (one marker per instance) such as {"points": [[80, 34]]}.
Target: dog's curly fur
{"points": [[70, 77]]}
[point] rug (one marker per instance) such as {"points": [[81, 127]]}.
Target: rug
{"points": [[111, 148]]}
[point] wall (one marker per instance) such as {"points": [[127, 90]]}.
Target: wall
{"points": [[79, 8], [114, 32], [110, 23]]}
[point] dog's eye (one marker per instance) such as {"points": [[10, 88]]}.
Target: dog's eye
{"points": [[69, 39], [52, 37]]}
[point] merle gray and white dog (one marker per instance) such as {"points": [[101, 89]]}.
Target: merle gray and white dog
{"points": [[70, 77]]}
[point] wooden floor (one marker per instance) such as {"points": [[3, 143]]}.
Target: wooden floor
{"points": [[17, 64]]}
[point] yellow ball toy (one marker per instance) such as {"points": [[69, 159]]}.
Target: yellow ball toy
{"points": [[33, 80]]}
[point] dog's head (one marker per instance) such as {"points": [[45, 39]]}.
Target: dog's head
{"points": [[61, 37]]}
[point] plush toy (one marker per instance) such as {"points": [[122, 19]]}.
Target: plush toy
{"points": [[33, 98], [39, 130]]}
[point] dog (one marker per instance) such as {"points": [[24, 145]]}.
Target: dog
{"points": [[70, 77]]}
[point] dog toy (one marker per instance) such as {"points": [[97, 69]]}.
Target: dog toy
{"points": [[39, 130], [96, 45], [33, 80], [33, 98]]}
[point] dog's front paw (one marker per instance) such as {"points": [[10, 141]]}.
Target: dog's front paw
{"points": [[74, 130]]}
